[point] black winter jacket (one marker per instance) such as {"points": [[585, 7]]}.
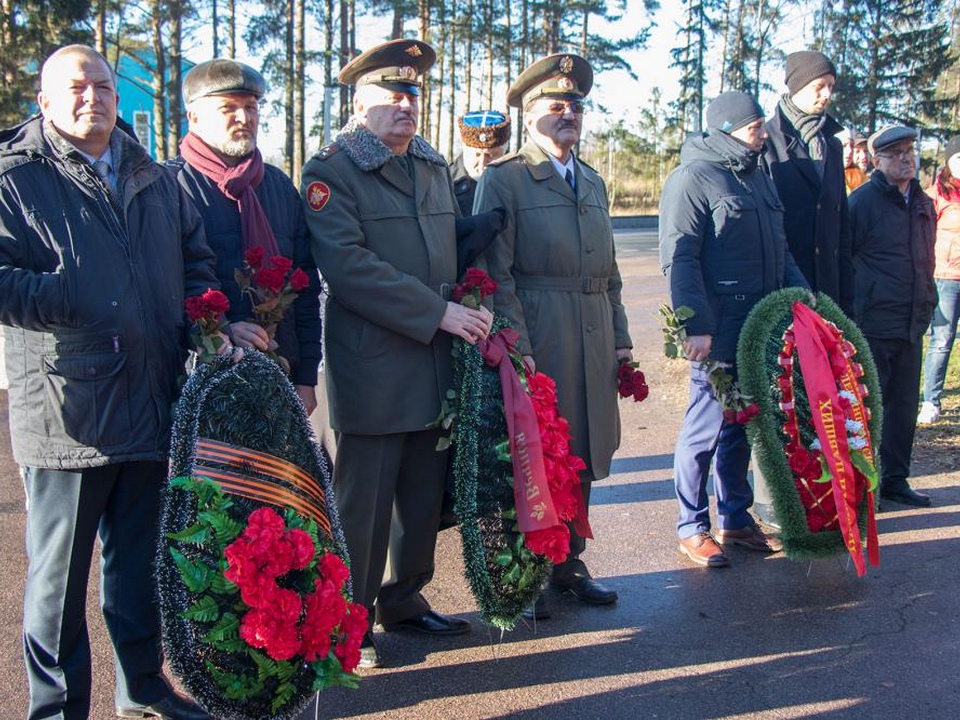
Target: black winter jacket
{"points": [[893, 259], [815, 220], [93, 300], [464, 186], [721, 238], [299, 334]]}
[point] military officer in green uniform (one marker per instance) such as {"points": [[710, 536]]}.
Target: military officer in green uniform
{"points": [[381, 211], [558, 278]]}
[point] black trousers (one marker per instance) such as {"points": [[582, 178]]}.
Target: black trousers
{"points": [[66, 511], [898, 367]]}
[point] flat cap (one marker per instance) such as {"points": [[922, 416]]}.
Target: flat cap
{"points": [[484, 128], [888, 135], [222, 76], [563, 75], [849, 135], [394, 65]]}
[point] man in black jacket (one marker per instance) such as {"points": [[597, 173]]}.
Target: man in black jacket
{"points": [[722, 244], [98, 249], [223, 173], [805, 161], [894, 227]]}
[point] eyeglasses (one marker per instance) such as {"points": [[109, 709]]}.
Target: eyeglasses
{"points": [[562, 106], [902, 156]]}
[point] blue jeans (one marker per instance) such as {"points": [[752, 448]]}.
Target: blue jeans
{"points": [[705, 435], [943, 331]]}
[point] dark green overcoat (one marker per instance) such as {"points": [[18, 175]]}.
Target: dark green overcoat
{"points": [[560, 287]]}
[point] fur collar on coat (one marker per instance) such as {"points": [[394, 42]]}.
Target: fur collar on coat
{"points": [[368, 151]]}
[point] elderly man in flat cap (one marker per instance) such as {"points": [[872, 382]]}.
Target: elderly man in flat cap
{"points": [[485, 135], [805, 161], [247, 204], [723, 248], [558, 279], [381, 212], [894, 231]]}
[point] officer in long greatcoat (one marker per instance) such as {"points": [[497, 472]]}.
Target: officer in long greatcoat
{"points": [[558, 279], [381, 212]]}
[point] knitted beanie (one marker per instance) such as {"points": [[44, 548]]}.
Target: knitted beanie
{"points": [[732, 110], [806, 66]]}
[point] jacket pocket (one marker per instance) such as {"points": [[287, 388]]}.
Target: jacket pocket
{"points": [[86, 397]]}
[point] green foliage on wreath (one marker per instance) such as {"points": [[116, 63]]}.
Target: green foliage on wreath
{"points": [[504, 575], [761, 341]]}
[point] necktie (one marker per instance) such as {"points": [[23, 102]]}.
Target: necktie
{"points": [[569, 178], [103, 171]]}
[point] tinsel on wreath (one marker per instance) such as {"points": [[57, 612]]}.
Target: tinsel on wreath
{"points": [[758, 350], [504, 575], [250, 404]]}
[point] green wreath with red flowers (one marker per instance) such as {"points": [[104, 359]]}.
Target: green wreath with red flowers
{"points": [[809, 368]]}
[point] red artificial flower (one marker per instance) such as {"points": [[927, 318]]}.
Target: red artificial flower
{"points": [[352, 630], [729, 415], [333, 569], [299, 281], [303, 547], [475, 279], [552, 542], [254, 257], [748, 413]]}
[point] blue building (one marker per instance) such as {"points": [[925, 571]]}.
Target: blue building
{"points": [[135, 88]]}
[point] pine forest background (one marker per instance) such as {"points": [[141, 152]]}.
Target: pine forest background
{"points": [[898, 61]]}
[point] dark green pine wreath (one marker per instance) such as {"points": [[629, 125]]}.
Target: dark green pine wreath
{"points": [[504, 575], [251, 404], [761, 341]]}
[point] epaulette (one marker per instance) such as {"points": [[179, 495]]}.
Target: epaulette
{"points": [[327, 151], [505, 159]]}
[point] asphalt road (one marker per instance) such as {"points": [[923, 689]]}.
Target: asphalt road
{"points": [[765, 638]]}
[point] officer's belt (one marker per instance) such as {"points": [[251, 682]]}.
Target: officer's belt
{"points": [[585, 285]]}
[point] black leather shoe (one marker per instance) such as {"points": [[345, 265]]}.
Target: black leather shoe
{"points": [[587, 590], [431, 623], [369, 653], [537, 611], [172, 707], [906, 496]]}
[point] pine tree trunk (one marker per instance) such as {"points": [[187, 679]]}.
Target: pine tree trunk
{"points": [[159, 89], [300, 105], [174, 98], [288, 90]]}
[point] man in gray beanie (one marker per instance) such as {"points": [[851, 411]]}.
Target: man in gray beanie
{"points": [[806, 163], [723, 248]]}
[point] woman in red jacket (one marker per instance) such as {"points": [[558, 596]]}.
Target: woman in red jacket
{"points": [[945, 192]]}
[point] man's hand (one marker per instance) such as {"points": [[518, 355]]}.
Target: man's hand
{"points": [[308, 396], [249, 335], [697, 347], [624, 355], [471, 325], [228, 348]]}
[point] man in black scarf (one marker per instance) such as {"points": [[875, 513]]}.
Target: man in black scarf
{"points": [[805, 161]]}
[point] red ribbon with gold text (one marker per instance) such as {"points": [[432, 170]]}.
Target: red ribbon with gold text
{"points": [[535, 510], [818, 352]]}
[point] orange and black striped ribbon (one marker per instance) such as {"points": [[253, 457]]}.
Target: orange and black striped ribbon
{"points": [[262, 477]]}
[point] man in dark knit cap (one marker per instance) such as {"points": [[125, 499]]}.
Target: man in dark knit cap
{"points": [[723, 248], [806, 163]]}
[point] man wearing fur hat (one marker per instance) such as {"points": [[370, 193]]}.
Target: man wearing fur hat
{"points": [[805, 161], [558, 279], [381, 211], [893, 225], [485, 135], [723, 247]]}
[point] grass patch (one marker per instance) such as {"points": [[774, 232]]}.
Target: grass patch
{"points": [[936, 448]]}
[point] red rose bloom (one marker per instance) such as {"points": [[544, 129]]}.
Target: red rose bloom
{"points": [[281, 263], [254, 257], [299, 281], [475, 279], [270, 279]]}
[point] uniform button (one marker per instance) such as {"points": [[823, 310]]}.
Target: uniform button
{"points": [[589, 328], [590, 249], [114, 303], [583, 209]]}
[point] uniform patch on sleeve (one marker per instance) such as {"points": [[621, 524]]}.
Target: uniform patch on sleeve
{"points": [[318, 193]]}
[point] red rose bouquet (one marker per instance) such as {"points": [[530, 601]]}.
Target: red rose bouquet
{"points": [[272, 285], [631, 382], [206, 312]]}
